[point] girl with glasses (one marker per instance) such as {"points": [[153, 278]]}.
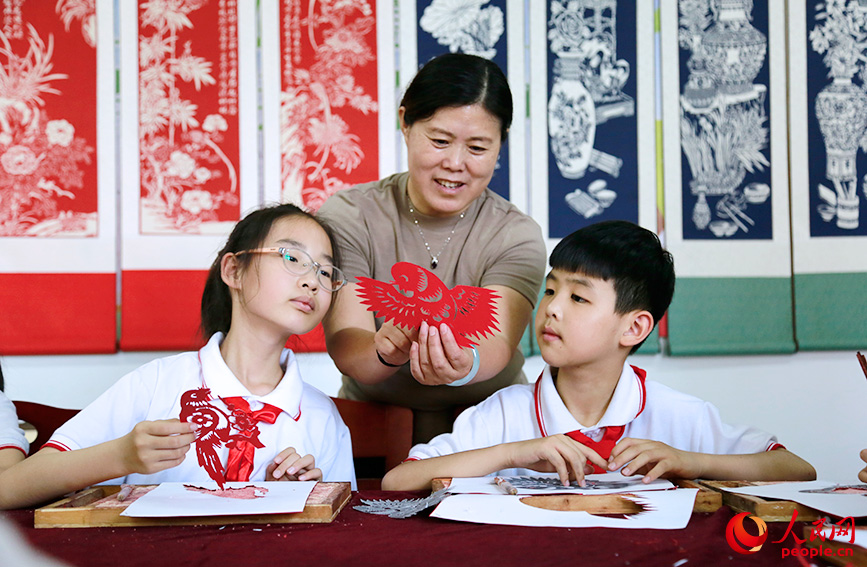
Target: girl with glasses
{"points": [[236, 410]]}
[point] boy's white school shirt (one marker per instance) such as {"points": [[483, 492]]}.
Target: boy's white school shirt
{"points": [[11, 435], [647, 409], [309, 420]]}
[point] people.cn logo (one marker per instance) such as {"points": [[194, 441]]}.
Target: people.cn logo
{"points": [[740, 540]]}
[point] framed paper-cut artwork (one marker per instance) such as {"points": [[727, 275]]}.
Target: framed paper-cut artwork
{"points": [[592, 103], [829, 172], [328, 97], [726, 175], [188, 76], [724, 120], [57, 155], [493, 29]]}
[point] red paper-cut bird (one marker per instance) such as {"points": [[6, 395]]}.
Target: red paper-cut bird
{"points": [[213, 431], [417, 295]]}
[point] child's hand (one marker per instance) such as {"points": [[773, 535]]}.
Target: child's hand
{"points": [[653, 459], [862, 476], [289, 465], [154, 446], [556, 453]]}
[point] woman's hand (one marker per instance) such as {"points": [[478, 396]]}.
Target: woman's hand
{"points": [[393, 343], [436, 357]]}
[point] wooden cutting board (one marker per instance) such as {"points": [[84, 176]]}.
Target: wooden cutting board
{"points": [[98, 506], [707, 500]]}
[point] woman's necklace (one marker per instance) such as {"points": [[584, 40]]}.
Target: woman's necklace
{"points": [[434, 258]]}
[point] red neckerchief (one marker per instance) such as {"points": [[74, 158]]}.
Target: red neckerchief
{"points": [[242, 445], [603, 446], [612, 433]]}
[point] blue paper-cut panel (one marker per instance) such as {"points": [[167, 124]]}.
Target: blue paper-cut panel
{"points": [[837, 118], [477, 28], [592, 121], [725, 124]]}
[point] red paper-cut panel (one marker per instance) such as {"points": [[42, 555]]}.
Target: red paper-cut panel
{"points": [[329, 133], [161, 309], [416, 295], [57, 314], [48, 119], [188, 116]]}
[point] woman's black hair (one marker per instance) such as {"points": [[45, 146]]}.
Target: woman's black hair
{"points": [[458, 79], [248, 234]]}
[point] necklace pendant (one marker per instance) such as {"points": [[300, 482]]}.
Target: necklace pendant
{"points": [[433, 263]]}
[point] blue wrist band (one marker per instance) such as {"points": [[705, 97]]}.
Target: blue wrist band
{"points": [[473, 371]]}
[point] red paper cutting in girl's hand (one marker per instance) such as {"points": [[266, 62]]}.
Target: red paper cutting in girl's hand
{"points": [[417, 295]]}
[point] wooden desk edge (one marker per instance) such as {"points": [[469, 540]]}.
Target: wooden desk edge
{"points": [[765, 508], [76, 511]]}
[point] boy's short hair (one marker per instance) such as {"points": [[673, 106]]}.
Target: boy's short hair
{"points": [[627, 254]]}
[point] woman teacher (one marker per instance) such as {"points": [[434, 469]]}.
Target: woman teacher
{"points": [[440, 215]]}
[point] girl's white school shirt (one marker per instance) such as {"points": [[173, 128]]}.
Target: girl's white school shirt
{"points": [[309, 421], [647, 410], [11, 435]]}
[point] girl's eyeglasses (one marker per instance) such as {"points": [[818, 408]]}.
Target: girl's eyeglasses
{"points": [[298, 262]]}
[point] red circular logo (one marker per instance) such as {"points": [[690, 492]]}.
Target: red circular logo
{"points": [[740, 540]]}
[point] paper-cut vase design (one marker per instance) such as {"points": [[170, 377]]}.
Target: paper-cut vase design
{"points": [[841, 107], [417, 295], [723, 113]]}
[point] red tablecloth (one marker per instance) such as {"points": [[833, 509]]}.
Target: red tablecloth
{"points": [[360, 539]]}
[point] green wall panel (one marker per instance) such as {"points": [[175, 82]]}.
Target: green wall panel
{"points": [[831, 311], [731, 316]]}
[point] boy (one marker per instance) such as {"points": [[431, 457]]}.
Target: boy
{"points": [[609, 285]]}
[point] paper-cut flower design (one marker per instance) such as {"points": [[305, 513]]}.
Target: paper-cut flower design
{"points": [[196, 201], [60, 132], [40, 158], [317, 146], [464, 25], [175, 147]]}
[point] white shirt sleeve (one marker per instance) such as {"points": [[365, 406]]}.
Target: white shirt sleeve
{"points": [[479, 426], [689, 423], [11, 435]]}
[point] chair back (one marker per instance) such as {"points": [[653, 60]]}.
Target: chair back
{"points": [[377, 430], [45, 419]]}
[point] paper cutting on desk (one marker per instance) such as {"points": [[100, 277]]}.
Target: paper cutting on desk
{"points": [[818, 494], [548, 483], [654, 509], [417, 295], [176, 499]]}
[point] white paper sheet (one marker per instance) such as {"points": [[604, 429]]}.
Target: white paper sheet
{"points": [[174, 499], [546, 483], [837, 504], [663, 509]]}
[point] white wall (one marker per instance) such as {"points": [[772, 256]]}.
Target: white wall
{"points": [[813, 401]]}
